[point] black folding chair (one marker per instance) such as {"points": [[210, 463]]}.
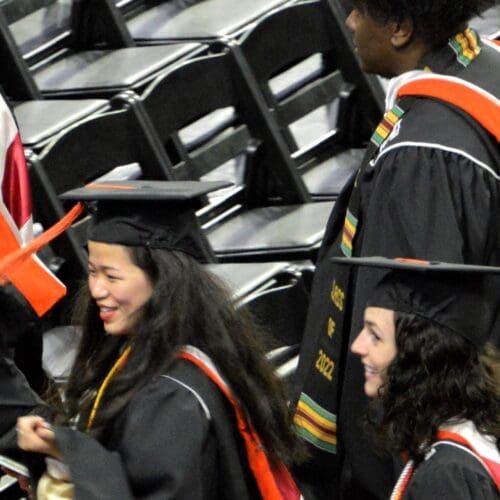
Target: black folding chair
{"points": [[97, 146], [79, 49], [269, 215], [38, 119], [341, 104], [153, 22]]}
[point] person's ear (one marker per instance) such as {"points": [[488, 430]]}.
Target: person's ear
{"points": [[402, 33]]}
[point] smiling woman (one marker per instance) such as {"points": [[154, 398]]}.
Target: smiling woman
{"points": [[376, 346], [119, 287], [171, 395], [434, 380]]}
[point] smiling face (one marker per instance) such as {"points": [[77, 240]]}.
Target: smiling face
{"points": [[376, 346], [119, 287]]}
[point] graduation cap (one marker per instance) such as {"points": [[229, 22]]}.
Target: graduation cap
{"points": [[461, 299], [155, 214]]}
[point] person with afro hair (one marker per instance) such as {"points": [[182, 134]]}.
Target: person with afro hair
{"points": [[428, 188]]}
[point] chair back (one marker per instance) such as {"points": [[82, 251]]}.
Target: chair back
{"points": [[310, 33], [193, 91], [35, 33]]}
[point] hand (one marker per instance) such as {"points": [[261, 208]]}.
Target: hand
{"points": [[24, 482], [35, 434]]}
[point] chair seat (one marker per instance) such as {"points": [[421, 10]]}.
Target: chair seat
{"points": [[289, 230], [34, 30], [296, 77], [327, 179], [205, 19], [40, 120], [245, 278], [275, 292], [103, 73]]}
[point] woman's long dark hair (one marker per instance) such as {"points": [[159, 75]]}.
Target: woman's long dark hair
{"points": [[188, 306], [435, 377]]}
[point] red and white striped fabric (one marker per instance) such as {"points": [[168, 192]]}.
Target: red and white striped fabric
{"points": [[37, 283]]}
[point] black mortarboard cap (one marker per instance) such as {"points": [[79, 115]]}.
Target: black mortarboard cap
{"points": [[155, 214], [461, 299]]}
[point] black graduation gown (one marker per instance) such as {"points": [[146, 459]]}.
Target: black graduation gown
{"points": [[22, 335], [17, 398], [451, 474], [163, 446], [432, 193]]}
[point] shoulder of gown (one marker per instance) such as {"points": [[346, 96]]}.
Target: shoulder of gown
{"points": [[451, 474]]}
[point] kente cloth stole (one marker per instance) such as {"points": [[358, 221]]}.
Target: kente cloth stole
{"points": [[318, 404], [316, 412]]}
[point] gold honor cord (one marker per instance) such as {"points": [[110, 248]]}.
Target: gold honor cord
{"points": [[116, 367]]}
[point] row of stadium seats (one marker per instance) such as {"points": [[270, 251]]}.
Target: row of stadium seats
{"points": [[269, 214], [89, 99]]}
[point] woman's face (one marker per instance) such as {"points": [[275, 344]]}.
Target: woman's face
{"points": [[118, 286], [376, 346]]}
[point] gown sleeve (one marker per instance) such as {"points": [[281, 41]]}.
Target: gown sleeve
{"points": [[17, 399], [161, 449], [16, 396], [432, 204]]}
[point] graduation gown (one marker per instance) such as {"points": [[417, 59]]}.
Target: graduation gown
{"points": [[175, 439], [432, 192], [451, 473]]}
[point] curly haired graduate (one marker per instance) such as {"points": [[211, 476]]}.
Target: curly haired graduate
{"points": [[434, 379]]}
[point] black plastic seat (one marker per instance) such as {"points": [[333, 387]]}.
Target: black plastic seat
{"points": [[193, 20], [99, 73], [287, 232], [86, 52], [40, 120], [270, 215], [350, 102]]}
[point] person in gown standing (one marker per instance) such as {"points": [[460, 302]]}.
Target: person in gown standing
{"points": [[170, 395], [428, 188]]}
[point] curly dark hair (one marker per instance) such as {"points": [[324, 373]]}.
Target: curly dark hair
{"points": [[434, 20], [435, 377], [188, 306]]}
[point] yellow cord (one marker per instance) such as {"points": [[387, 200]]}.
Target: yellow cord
{"points": [[117, 366]]}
